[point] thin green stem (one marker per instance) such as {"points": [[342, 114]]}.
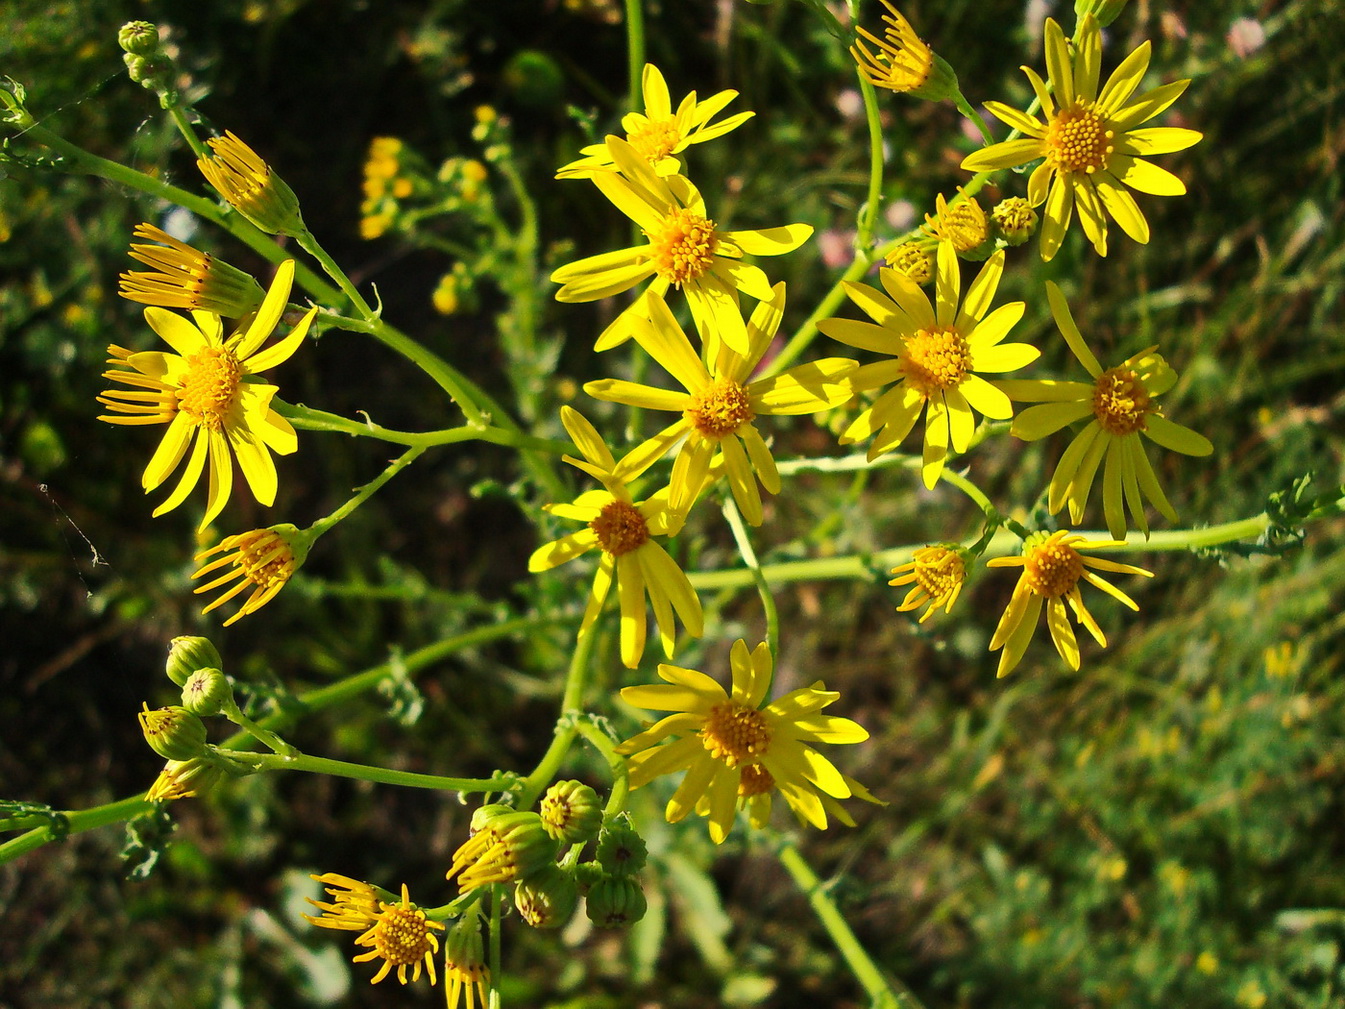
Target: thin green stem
{"points": [[367, 491], [635, 50], [576, 679], [616, 799], [884, 992], [311, 246], [496, 959], [76, 822], [749, 556], [968, 112], [264, 736], [184, 127], [308, 419], [867, 219], [365, 772]]}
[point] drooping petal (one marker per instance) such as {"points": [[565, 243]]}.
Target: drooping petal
{"points": [[1091, 218], [1122, 207], [1008, 154], [1057, 619], [634, 624], [221, 477], [563, 550], [169, 454], [1037, 422], [259, 469], [1056, 217], [1069, 464], [1065, 321]]}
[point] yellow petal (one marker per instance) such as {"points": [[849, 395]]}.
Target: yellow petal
{"points": [[1124, 80], [175, 331], [1146, 177], [1037, 422], [171, 449], [634, 625], [1176, 437], [258, 467], [1157, 140], [221, 477], [980, 293], [1122, 207], [1065, 321], [282, 351], [1058, 66], [190, 475], [771, 241], [268, 315]]}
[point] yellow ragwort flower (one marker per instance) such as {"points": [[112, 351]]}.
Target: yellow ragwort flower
{"points": [[915, 259], [1052, 567], [251, 188], [261, 559], [205, 395], [964, 224], [661, 133], [508, 845], [465, 970], [623, 530], [355, 908], [1090, 143], [402, 937], [1121, 404], [187, 278], [903, 62], [720, 404], [685, 249], [937, 574], [736, 752], [935, 353]]}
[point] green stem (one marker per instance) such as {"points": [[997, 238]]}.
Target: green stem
{"points": [[635, 50], [864, 234], [884, 993], [308, 419], [264, 736], [311, 246], [496, 960], [188, 133], [749, 556], [967, 111], [76, 822], [367, 491], [365, 772], [576, 679], [616, 800]]}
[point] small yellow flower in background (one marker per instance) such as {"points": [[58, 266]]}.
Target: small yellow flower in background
{"points": [[262, 559], [465, 970], [1090, 141], [355, 908], [736, 752], [1052, 567], [1121, 403], [661, 133], [401, 936], [914, 259], [935, 353], [937, 573], [623, 529], [963, 225], [903, 62], [203, 393], [685, 250], [251, 188], [719, 405], [187, 278]]}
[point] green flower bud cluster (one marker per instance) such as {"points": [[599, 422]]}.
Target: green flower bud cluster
{"points": [[1012, 221], [613, 895], [146, 63], [1106, 11]]}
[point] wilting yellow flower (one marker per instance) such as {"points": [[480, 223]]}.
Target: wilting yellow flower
{"points": [[355, 908], [263, 559], [684, 250], [187, 278], [660, 133], [937, 574], [935, 352], [623, 529], [508, 845], [719, 405], [914, 259], [964, 224], [251, 188], [1052, 568], [1090, 141], [735, 751], [465, 970], [402, 937], [203, 393], [181, 779], [1121, 403], [903, 62]]}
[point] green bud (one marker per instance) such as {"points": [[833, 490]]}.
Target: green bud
{"points": [[547, 898], [508, 846], [586, 874], [139, 37], [941, 83], [615, 902], [571, 812], [482, 817], [173, 732], [621, 851], [1106, 11], [1014, 220], [188, 654], [465, 956], [207, 692]]}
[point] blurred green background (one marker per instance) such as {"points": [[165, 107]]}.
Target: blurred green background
{"points": [[1161, 828]]}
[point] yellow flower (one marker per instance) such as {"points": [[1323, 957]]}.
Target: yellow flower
{"points": [[937, 573], [735, 751], [187, 278], [914, 259], [509, 845], [964, 224], [720, 404], [263, 559], [355, 908], [1090, 141], [903, 62], [203, 393], [660, 133], [465, 969], [1121, 403], [623, 529], [251, 188], [685, 249], [935, 354], [402, 937], [1052, 569]]}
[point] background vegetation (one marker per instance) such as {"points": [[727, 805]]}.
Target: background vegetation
{"points": [[1161, 828]]}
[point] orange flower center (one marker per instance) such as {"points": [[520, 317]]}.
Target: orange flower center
{"points": [[719, 409], [210, 386], [735, 734], [654, 139], [1078, 140], [939, 572], [1120, 401], [936, 359], [402, 936], [684, 246], [755, 780], [620, 528], [1053, 568]]}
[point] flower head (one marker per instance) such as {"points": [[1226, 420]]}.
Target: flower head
{"points": [[685, 249], [401, 936], [187, 278], [465, 970], [1090, 144], [737, 752], [720, 403], [262, 559], [205, 395], [1121, 404], [355, 909], [509, 845], [623, 529], [936, 574], [914, 259], [963, 225], [662, 132], [251, 188], [181, 779], [903, 61], [936, 352], [1052, 567]]}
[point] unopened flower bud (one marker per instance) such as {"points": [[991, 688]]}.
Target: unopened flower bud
{"points": [[188, 654], [207, 692], [571, 812], [465, 968], [483, 815], [615, 902], [621, 851], [181, 779], [587, 874], [173, 732], [251, 188], [913, 259], [547, 898], [1106, 11], [1014, 220], [509, 846], [139, 37]]}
